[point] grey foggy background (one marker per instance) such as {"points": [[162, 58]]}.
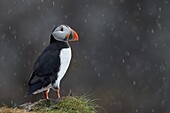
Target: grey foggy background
{"points": [[122, 57]]}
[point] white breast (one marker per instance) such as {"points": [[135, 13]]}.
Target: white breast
{"points": [[65, 57]]}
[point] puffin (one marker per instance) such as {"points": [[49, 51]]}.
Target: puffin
{"points": [[51, 66]]}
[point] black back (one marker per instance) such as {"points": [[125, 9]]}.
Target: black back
{"points": [[46, 66]]}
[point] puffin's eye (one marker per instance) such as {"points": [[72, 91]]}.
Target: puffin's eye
{"points": [[61, 29]]}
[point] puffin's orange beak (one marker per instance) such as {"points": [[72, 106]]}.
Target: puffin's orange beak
{"points": [[75, 36]]}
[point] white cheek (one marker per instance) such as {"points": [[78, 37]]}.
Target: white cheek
{"points": [[59, 35]]}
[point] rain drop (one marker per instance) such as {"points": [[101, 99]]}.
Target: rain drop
{"points": [[9, 27], [85, 20], [44, 43], [2, 57], [153, 110], [53, 3], [98, 74], [152, 31], [138, 38], [137, 110], [134, 82], [86, 57], [123, 60], [29, 42]]}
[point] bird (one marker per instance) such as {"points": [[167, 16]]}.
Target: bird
{"points": [[51, 66]]}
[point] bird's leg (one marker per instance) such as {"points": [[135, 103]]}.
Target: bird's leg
{"points": [[58, 93], [46, 94]]}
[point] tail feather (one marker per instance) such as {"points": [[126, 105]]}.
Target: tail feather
{"points": [[34, 87]]}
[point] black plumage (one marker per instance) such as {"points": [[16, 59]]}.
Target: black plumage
{"points": [[46, 66], [51, 66]]}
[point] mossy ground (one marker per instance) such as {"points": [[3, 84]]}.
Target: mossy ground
{"points": [[65, 105]]}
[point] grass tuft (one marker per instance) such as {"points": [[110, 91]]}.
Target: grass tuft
{"points": [[64, 105], [76, 105]]}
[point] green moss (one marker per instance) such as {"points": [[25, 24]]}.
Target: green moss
{"points": [[76, 105], [65, 105]]}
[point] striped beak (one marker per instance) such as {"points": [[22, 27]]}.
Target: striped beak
{"points": [[73, 36]]}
